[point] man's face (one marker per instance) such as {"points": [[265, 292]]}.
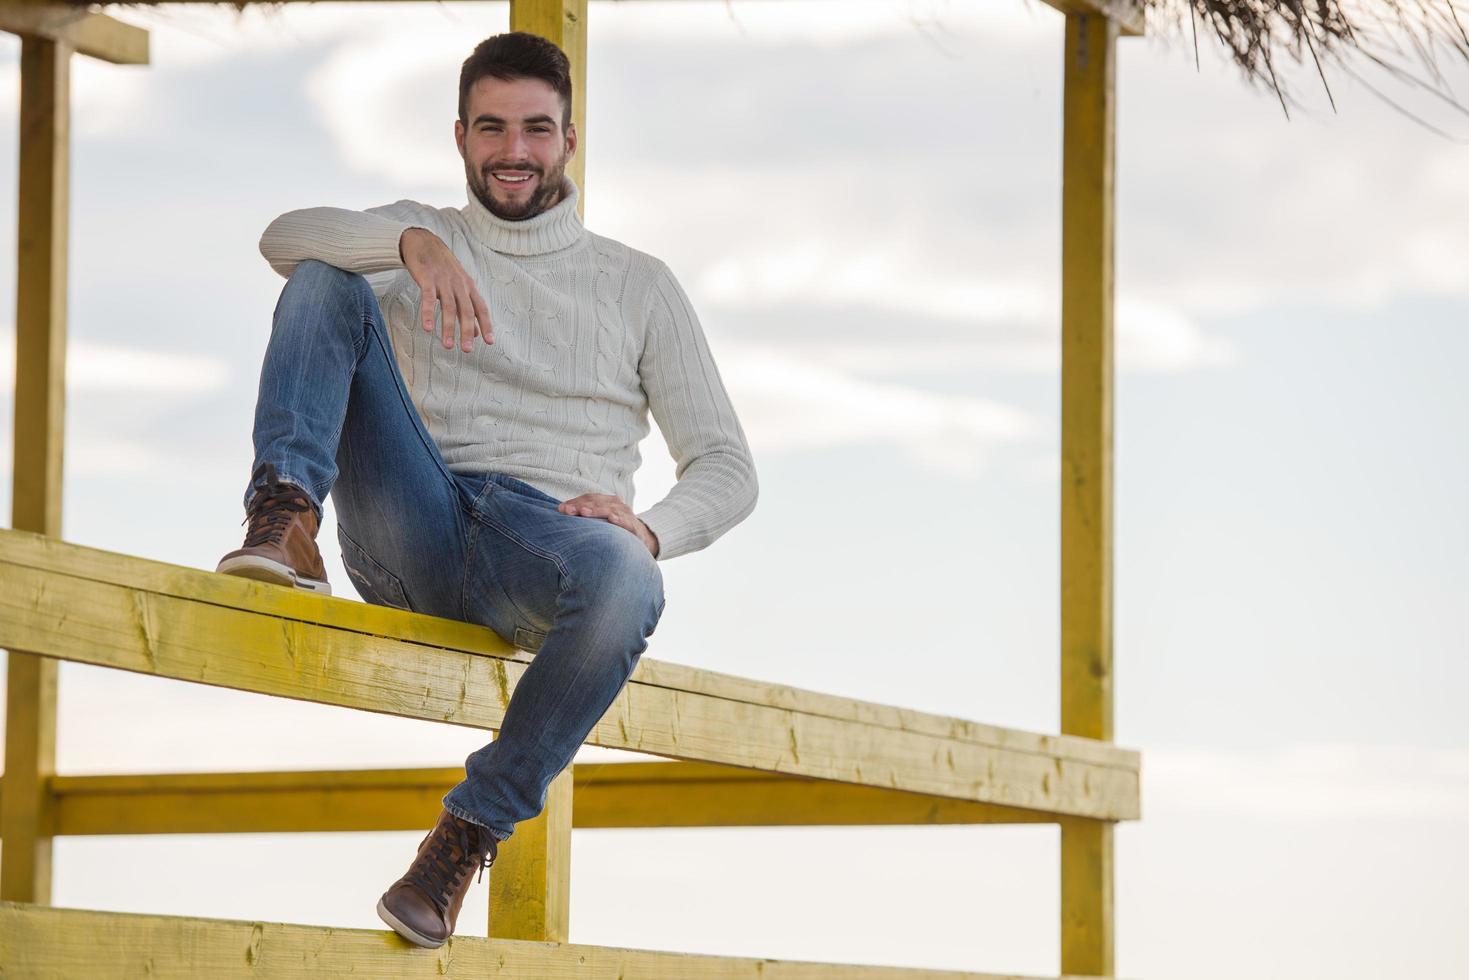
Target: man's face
{"points": [[514, 149]]}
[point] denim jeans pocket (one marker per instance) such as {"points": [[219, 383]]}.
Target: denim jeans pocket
{"points": [[374, 583]]}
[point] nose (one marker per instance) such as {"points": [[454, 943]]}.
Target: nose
{"points": [[515, 146]]}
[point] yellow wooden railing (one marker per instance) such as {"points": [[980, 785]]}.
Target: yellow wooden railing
{"points": [[748, 753]]}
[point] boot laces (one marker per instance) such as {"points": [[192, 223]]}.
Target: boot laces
{"points": [[273, 508], [448, 858]]}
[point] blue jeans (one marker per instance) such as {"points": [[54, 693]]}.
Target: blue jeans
{"points": [[335, 416]]}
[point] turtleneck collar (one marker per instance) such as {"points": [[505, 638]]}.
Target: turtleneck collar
{"points": [[553, 229]]}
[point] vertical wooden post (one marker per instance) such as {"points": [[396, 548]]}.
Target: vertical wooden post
{"points": [[530, 884], [40, 372], [1087, 926], [563, 22]]}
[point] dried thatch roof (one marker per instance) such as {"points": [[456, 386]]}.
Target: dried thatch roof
{"points": [[1404, 38]]}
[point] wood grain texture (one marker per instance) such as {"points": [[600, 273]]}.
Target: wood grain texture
{"points": [[136, 629], [393, 624], [95, 35], [607, 795], [42, 942], [530, 884], [1087, 376], [40, 370]]}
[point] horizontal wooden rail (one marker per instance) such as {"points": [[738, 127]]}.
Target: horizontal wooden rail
{"points": [[1128, 14], [73, 603], [94, 35], [618, 794], [46, 942]]}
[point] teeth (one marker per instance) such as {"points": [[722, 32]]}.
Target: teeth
{"points": [[511, 180]]}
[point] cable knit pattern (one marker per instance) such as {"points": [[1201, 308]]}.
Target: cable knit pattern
{"points": [[590, 337]]}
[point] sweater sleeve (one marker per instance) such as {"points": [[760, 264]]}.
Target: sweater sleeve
{"points": [[354, 241], [716, 486]]}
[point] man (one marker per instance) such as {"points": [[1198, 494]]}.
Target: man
{"points": [[474, 408]]}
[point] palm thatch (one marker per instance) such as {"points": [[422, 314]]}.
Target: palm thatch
{"points": [[1405, 39]]}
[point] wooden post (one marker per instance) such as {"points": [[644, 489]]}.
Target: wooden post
{"points": [[40, 371], [1087, 926], [530, 884], [563, 22]]}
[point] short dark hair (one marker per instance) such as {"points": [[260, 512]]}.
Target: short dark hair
{"points": [[517, 54]]}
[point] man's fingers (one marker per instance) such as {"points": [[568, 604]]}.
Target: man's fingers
{"points": [[428, 297], [482, 313], [449, 319], [467, 326]]}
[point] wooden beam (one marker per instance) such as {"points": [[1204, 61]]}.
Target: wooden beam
{"points": [[291, 644], [607, 795], [40, 374], [1087, 926], [94, 35], [393, 624], [530, 884], [41, 942], [564, 23], [1129, 15], [697, 794]]}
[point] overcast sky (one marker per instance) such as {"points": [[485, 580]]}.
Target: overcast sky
{"points": [[862, 200]]}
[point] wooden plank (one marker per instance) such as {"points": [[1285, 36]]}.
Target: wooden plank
{"points": [[695, 794], [1129, 14], [616, 794], [530, 884], [30, 759], [1088, 913], [42, 942], [40, 376], [40, 302], [1087, 926], [134, 629], [95, 35], [381, 621], [564, 23]]}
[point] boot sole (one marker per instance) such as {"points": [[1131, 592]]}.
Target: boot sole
{"points": [[276, 573], [411, 935]]}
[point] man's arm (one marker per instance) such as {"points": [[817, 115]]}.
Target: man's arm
{"points": [[716, 486], [379, 240], [355, 241]]}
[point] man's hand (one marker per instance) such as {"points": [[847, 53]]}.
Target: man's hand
{"points": [[442, 280], [611, 508]]}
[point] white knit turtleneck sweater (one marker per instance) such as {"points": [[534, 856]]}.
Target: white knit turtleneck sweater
{"points": [[589, 336]]}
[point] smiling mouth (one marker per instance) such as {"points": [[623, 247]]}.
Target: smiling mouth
{"points": [[512, 179]]}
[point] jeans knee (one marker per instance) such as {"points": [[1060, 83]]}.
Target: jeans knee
{"points": [[317, 281], [617, 570]]}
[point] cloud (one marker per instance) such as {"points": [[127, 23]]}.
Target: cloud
{"points": [[975, 323], [403, 83], [1313, 782], [105, 367], [791, 404]]}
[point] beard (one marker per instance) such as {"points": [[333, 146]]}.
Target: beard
{"points": [[546, 194]]}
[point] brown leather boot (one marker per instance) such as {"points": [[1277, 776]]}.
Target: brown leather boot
{"points": [[423, 905], [280, 546]]}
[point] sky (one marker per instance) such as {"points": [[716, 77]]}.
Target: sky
{"points": [[863, 202]]}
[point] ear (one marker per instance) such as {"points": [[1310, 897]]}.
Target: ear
{"points": [[571, 141], [459, 133]]}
